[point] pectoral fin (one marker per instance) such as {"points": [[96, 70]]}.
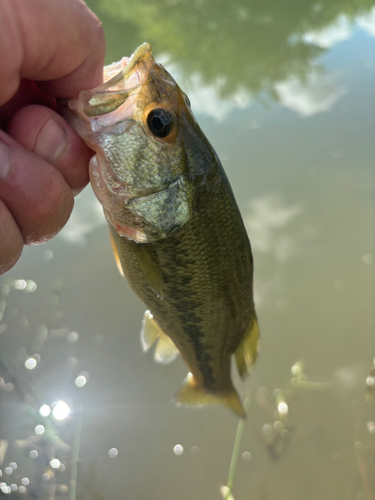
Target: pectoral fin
{"points": [[115, 253], [246, 353], [165, 351], [192, 394], [151, 270]]}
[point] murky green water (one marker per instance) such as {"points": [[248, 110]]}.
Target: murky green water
{"points": [[285, 93]]}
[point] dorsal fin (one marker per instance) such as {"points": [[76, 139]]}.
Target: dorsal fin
{"points": [[165, 351], [246, 353]]}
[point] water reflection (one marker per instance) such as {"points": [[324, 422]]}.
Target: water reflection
{"points": [[45, 410], [178, 449], [61, 410], [311, 424], [249, 45], [318, 93], [113, 452]]}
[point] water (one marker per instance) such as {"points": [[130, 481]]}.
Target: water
{"points": [[285, 93]]}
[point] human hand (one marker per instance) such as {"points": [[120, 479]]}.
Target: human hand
{"points": [[48, 49]]}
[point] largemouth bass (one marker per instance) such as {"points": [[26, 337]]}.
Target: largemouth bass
{"points": [[176, 231]]}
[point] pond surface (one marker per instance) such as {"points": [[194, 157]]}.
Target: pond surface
{"points": [[285, 93]]}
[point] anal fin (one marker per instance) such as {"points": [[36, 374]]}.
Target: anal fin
{"points": [[193, 394], [165, 351], [247, 352]]}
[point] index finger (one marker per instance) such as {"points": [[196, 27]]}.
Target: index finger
{"points": [[59, 43]]}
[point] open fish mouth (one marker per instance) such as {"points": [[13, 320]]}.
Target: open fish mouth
{"points": [[121, 80]]}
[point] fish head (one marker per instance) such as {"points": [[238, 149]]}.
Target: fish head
{"points": [[140, 125]]}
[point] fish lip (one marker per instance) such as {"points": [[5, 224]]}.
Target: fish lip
{"points": [[142, 52], [115, 91]]}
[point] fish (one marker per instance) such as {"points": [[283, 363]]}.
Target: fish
{"points": [[175, 228]]}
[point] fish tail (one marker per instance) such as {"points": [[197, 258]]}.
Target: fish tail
{"points": [[247, 352], [191, 393]]}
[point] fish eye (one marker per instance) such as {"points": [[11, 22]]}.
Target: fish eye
{"points": [[160, 122]]}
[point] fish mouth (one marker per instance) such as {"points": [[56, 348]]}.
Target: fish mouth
{"points": [[122, 79]]}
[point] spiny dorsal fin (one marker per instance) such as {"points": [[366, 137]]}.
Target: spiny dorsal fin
{"points": [[246, 353], [192, 394], [152, 272], [165, 351]]}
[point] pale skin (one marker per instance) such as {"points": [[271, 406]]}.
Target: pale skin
{"points": [[48, 50]]}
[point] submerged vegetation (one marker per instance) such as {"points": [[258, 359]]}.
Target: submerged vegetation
{"points": [[41, 437]]}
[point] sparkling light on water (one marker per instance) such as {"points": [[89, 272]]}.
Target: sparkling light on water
{"points": [[55, 463], [33, 454], [267, 429], [31, 286], [72, 337], [178, 449], [282, 408], [20, 284], [45, 410], [25, 481], [246, 456], [5, 489], [61, 410], [113, 452], [30, 363], [47, 255], [278, 426], [80, 381], [296, 370], [39, 429]]}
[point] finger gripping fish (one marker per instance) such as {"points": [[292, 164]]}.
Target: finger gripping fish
{"points": [[176, 231]]}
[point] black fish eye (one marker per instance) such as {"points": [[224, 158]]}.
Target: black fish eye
{"points": [[160, 122]]}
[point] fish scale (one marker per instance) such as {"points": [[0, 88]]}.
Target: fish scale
{"points": [[202, 295], [176, 231]]}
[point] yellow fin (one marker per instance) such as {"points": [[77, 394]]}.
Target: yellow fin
{"points": [[165, 351], [115, 253], [246, 353], [151, 271], [192, 394]]}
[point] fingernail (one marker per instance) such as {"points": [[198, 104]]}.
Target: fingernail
{"points": [[51, 141], [4, 160]]}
